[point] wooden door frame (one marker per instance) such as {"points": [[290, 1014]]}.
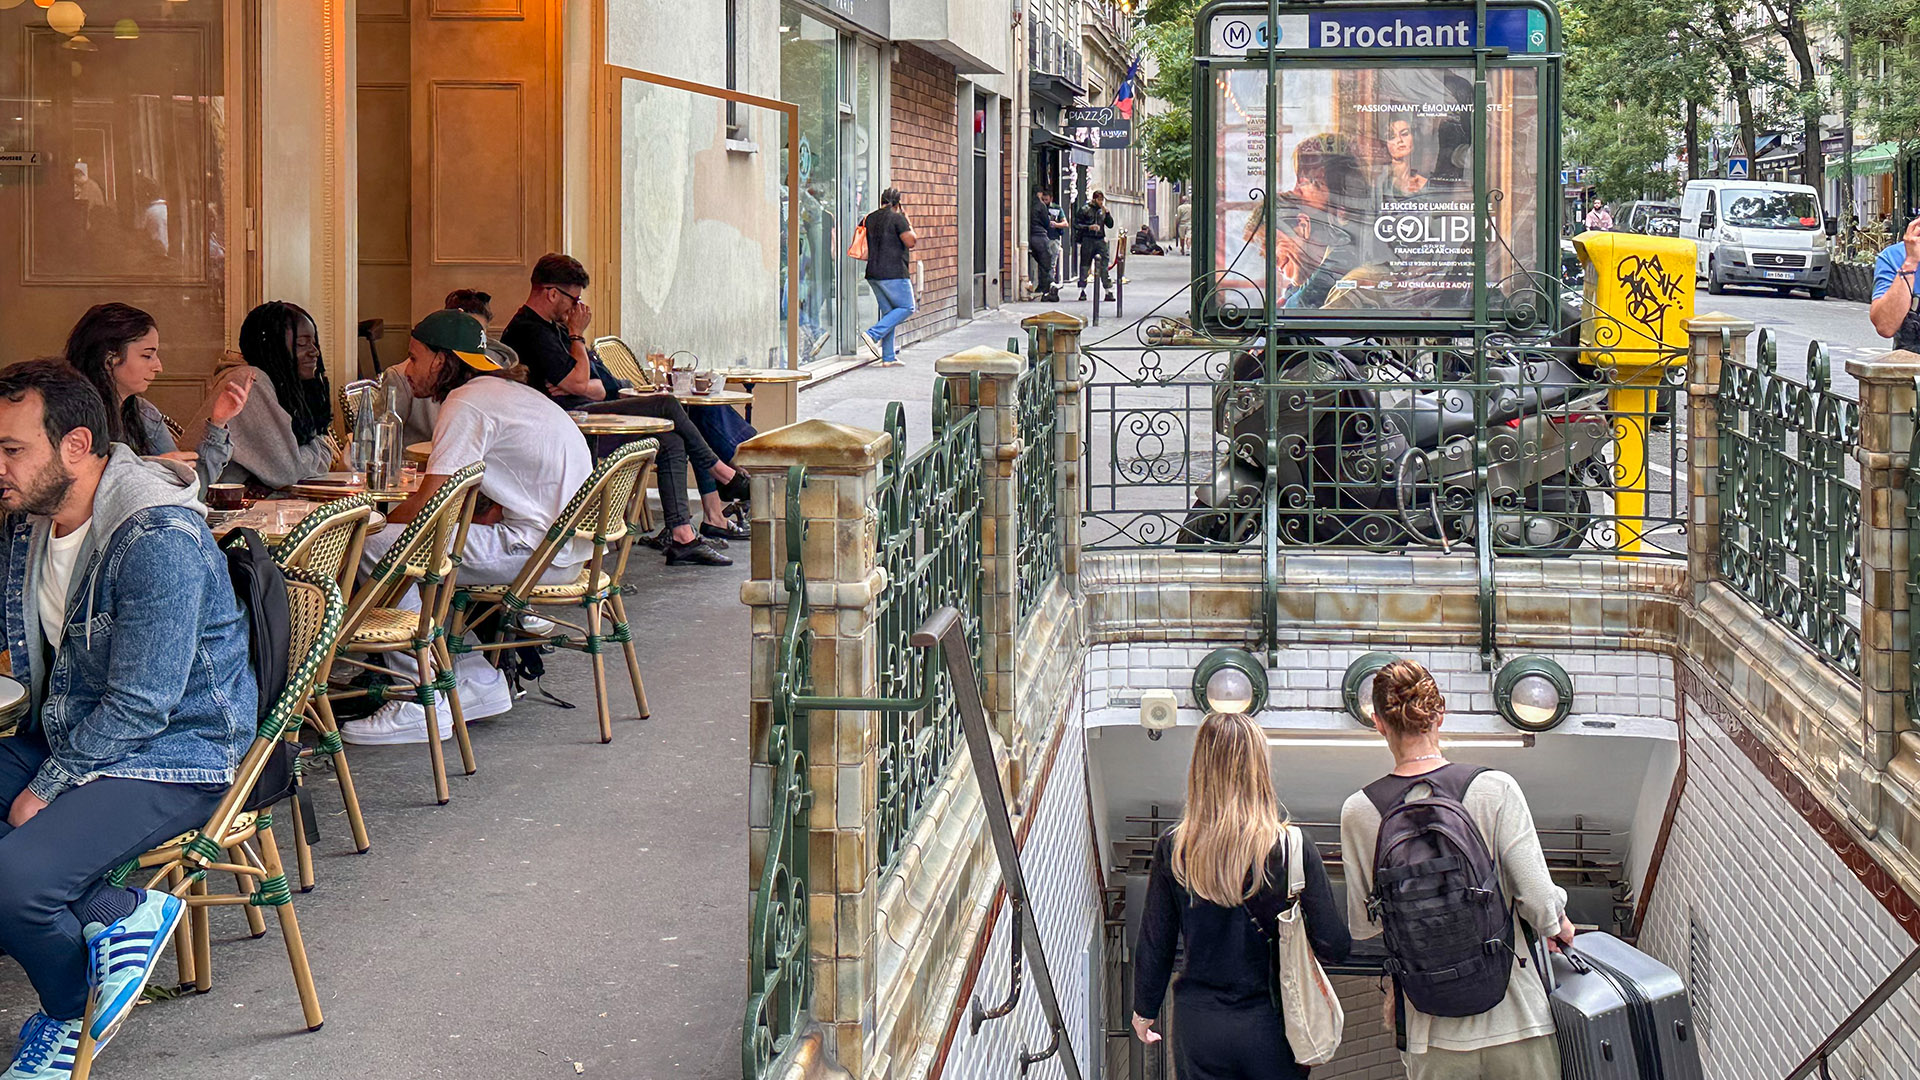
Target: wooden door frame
{"points": [[605, 212]]}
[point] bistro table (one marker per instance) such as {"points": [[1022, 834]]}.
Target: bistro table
{"points": [[418, 453], [776, 391], [273, 519], [339, 485], [712, 397], [619, 424]]}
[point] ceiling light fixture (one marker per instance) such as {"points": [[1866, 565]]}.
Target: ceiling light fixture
{"points": [[1533, 693], [1230, 680], [1356, 687]]}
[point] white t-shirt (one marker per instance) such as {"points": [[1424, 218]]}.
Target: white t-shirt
{"points": [[535, 456], [56, 576]]}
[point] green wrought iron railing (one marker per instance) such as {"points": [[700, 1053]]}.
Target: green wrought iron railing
{"points": [[1789, 511], [1036, 480], [928, 544], [779, 987]]}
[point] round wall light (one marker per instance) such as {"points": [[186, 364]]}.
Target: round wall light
{"points": [[1230, 680], [1356, 688], [1533, 693]]}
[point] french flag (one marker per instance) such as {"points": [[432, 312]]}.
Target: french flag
{"points": [[1123, 98]]}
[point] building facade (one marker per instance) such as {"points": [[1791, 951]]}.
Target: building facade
{"points": [[363, 159]]}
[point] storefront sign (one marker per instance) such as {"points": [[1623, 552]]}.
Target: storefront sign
{"points": [[1514, 29], [1376, 212], [868, 15], [1099, 126], [21, 157]]}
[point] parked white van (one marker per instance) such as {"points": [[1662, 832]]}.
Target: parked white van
{"points": [[1751, 232]]}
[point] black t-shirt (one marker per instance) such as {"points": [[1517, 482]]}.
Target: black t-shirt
{"points": [[542, 346], [1040, 222], [886, 252]]}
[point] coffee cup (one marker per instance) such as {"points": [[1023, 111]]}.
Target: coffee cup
{"points": [[703, 382], [227, 496]]}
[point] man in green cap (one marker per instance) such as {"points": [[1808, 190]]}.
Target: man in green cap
{"points": [[535, 461]]}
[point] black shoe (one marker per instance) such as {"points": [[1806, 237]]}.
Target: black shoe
{"points": [[738, 489], [697, 553], [723, 533], [658, 541]]}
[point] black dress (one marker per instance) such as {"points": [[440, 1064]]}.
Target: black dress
{"points": [[1228, 1027]]}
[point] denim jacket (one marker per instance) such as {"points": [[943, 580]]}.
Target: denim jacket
{"points": [[152, 680]]}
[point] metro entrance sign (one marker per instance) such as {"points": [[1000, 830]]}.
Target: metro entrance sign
{"points": [[1374, 167], [1411, 27]]}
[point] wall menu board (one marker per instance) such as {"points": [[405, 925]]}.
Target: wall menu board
{"points": [[1374, 201]]}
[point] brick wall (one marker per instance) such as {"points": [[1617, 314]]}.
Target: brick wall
{"points": [[1778, 940], [1058, 862], [926, 169], [1012, 207]]}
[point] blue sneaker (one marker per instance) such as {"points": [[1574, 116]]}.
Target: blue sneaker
{"points": [[123, 955], [47, 1048]]}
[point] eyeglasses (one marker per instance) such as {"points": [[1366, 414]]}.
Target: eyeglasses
{"points": [[572, 297]]}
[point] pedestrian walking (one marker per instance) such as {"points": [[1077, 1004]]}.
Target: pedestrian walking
{"points": [[1183, 224], [1599, 218], [1223, 862], [889, 238], [1444, 859], [1041, 228], [1090, 226]]}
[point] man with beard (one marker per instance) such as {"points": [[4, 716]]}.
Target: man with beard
{"points": [[122, 620]]}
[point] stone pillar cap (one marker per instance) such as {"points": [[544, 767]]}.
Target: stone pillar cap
{"points": [[1715, 320], [984, 359], [820, 445], [1058, 319], [1898, 365]]}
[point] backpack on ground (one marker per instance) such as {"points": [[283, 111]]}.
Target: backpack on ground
{"points": [[1437, 895], [261, 588]]}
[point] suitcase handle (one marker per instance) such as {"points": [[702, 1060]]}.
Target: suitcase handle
{"points": [[1579, 962]]}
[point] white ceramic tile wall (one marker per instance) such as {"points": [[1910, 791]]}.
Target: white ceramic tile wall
{"points": [[1793, 941], [1058, 864], [1307, 678]]}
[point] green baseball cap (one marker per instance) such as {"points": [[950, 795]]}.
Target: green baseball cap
{"points": [[458, 333]]}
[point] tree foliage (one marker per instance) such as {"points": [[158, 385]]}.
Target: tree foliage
{"points": [[1166, 138]]}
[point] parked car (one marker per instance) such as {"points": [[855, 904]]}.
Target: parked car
{"points": [[1751, 232], [1634, 217]]}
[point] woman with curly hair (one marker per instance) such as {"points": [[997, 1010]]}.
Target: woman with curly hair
{"points": [[281, 437], [1513, 1040]]}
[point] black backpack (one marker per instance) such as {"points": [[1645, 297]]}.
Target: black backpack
{"points": [[261, 588], [1437, 895]]}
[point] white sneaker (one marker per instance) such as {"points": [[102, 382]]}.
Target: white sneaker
{"points": [[534, 624], [396, 722], [871, 346]]}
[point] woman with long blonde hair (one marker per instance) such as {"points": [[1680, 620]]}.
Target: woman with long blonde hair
{"points": [[1225, 854]]}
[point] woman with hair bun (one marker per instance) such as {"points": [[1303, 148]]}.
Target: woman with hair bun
{"points": [[1514, 1039], [1225, 859]]}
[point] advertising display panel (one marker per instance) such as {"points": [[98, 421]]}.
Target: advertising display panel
{"points": [[1374, 204]]}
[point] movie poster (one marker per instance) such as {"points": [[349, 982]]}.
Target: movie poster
{"points": [[1375, 210]]}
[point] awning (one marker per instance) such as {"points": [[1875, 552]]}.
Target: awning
{"points": [[1783, 155], [1875, 160], [1045, 138]]}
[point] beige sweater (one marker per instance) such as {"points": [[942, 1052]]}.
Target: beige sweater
{"points": [[1499, 808]]}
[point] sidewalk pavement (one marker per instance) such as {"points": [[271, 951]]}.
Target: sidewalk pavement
{"points": [[860, 396]]}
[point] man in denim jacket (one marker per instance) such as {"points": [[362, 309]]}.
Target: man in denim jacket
{"points": [[122, 620]]}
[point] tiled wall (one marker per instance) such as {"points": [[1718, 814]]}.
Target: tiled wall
{"points": [[1058, 863], [1778, 940], [1605, 684]]}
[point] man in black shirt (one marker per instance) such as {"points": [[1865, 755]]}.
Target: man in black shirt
{"points": [[548, 334], [1090, 225], [1040, 230]]}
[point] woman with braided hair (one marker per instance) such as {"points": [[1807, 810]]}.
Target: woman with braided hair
{"points": [[280, 437], [1514, 1039]]}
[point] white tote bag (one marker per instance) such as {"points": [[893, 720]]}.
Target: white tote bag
{"points": [[1310, 1008]]}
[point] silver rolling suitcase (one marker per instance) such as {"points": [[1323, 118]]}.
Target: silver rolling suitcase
{"points": [[1620, 1014]]}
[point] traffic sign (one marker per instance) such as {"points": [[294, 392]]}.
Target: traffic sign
{"points": [[1737, 168]]}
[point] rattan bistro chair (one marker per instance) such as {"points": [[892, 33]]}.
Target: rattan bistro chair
{"points": [[326, 543], [601, 512], [621, 361], [183, 862], [426, 555]]}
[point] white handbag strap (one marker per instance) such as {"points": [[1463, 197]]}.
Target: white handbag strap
{"points": [[1296, 863]]}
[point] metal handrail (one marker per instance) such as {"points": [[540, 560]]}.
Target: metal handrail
{"points": [[944, 630], [1857, 1018]]}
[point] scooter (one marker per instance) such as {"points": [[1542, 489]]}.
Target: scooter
{"points": [[1372, 447]]}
